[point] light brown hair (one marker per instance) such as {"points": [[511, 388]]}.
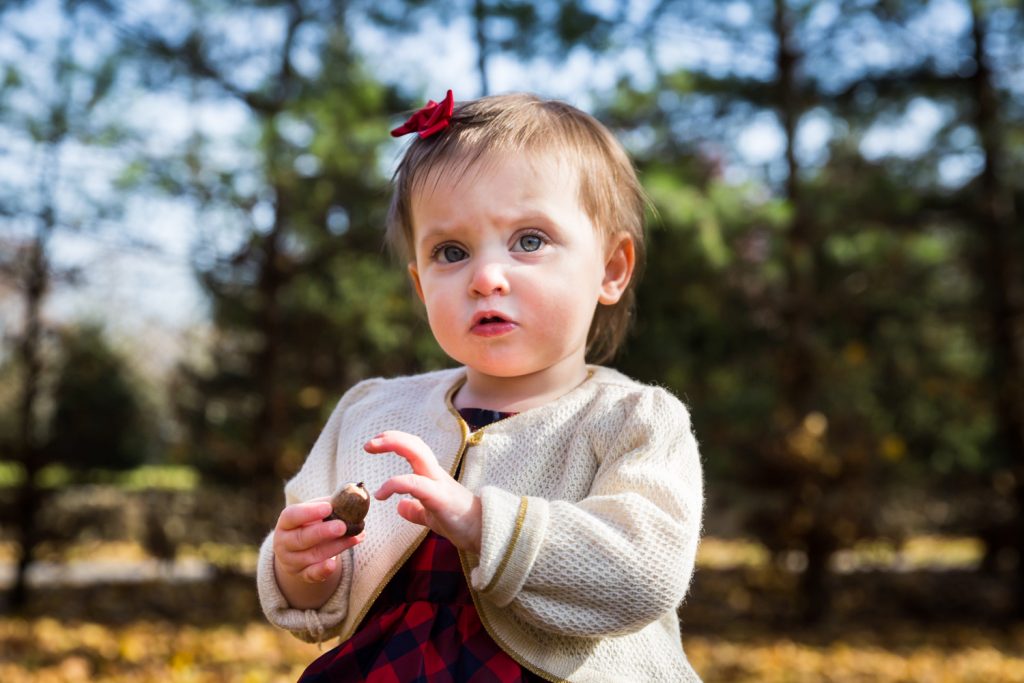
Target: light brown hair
{"points": [[489, 127]]}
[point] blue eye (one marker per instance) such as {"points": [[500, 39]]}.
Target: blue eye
{"points": [[530, 242], [450, 253]]}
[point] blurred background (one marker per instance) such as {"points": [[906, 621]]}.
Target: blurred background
{"points": [[192, 198]]}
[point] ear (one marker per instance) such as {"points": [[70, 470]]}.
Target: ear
{"points": [[618, 268], [414, 274]]}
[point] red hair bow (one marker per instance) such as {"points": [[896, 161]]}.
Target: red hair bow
{"points": [[430, 119]]}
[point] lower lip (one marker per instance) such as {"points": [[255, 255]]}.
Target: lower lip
{"points": [[492, 329]]}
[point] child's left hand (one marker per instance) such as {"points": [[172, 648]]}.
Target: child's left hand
{"points": [[438, 501]]}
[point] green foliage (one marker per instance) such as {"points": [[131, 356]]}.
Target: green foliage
{"points": [[98, 420], [144, 477], [824, 331], [304, 303]]}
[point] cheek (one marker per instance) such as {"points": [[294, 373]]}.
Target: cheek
{"points": [[438, 307], [574, 291], [567, 312], [446, 319]]}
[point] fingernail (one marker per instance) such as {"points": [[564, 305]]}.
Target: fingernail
{"points": [[337, 528]]}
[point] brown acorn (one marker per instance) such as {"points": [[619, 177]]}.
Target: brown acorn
{"points": [[350, 503]]}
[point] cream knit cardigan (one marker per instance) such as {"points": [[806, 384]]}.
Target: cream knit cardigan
{"points": [[591, 518]]}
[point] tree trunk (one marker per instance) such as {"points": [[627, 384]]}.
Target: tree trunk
{"points": [[1000, 274], [270, 424], [796, 355], [275, 270], [480, 24], [29, 496]]}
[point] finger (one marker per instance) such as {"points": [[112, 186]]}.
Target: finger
{"points": [[302, 562], [321, 571], [312, 535], [320, 552], [423, 489], [410, 447], [413, 510], [300, 514]]}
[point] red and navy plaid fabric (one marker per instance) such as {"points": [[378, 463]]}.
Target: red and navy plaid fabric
{"points": [[424, 627]]}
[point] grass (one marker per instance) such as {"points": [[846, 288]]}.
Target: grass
{"points": [[171, 477]]}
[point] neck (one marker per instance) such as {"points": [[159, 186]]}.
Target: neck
{"points": [[518, 394]]}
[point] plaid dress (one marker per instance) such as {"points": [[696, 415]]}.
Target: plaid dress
{"points": [[424, 627]]}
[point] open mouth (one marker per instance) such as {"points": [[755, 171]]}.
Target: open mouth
{"points": [[490, 318], [490, 324]]}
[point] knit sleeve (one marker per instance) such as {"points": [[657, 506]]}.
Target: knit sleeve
{"points": [[318, 477], [618, 559]]}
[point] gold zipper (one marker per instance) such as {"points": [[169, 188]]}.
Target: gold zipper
{"points": [[463, 445], [476, 437], [416, 544], [467, 438]]}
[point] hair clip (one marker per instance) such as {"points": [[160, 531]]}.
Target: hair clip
{"points": [[432, 118]]}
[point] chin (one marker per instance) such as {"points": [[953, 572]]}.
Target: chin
{"points": [[497, 370], [498, 367]]}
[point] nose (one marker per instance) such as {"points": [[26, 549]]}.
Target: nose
{"points": [[489, 278]]}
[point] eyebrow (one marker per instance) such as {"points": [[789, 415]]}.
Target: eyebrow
{"points": [[529, 216], [434, 235]]}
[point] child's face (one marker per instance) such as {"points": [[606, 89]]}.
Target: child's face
{"points": [[510, 267]]}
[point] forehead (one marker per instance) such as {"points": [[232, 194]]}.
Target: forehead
{"points": [[494, 189], [497, 182], [496, 193], [453, 172]]}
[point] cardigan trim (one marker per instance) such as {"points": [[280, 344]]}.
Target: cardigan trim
{"points": [[520, 517], [390, 574], [468, 440], [502, 643]]}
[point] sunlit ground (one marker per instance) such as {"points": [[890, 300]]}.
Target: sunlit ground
{"points": [[924, 656], [45, 649], [150, 632]]}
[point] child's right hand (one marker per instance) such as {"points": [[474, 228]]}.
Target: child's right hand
{"points": [[306, 547]]}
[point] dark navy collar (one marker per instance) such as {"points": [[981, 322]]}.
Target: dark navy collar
{"points": [[477, 418]]}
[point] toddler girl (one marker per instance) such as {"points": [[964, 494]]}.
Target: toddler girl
{"points": [[549, 524]]}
